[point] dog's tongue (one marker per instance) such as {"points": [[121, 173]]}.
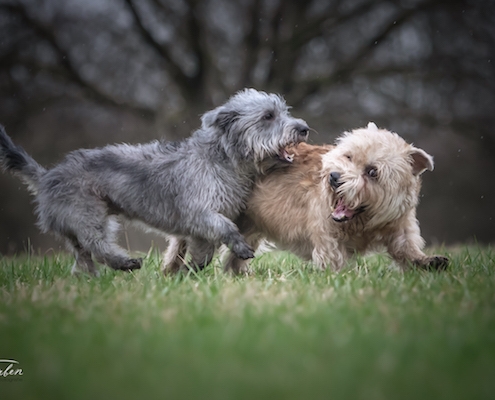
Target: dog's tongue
{"points": [[341, 212]]}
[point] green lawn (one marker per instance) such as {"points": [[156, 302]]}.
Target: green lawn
{"points": [[285, 332]]}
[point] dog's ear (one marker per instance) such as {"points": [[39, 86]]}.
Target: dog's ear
{"points": [[372, 126], [220, 117], [420, 160]]}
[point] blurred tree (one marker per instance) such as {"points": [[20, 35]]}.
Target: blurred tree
{"points": [[421, 67]]}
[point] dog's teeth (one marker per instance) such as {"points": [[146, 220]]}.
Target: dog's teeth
{"points": [[284, 155]]}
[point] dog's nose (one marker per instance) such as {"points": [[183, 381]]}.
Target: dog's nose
{"points": [[303, 130], [335, 180]]}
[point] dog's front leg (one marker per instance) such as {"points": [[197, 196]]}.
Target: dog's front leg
{"points": [[174, 259], [216, 228], [327, 251], [405, 247], [236, 265], [247, 227]]}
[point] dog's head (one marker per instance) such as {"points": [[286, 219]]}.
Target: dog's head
{"points": [[375, 174], [254, 125]]}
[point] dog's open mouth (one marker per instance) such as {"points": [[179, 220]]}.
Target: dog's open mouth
{"points": [[341, 212], [286, 153]]}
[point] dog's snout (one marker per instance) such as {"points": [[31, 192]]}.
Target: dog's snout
{"points": [[335, 180], [303, 130]]}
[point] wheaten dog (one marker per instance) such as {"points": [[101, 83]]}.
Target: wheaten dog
{"points": [[332, 202]]}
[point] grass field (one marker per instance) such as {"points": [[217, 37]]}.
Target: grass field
{"points": [[285, 332]]}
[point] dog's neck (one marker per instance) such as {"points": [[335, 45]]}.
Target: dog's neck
{"points": [[240, 159]]}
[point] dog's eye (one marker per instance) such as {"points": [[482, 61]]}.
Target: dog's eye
{"points": [[348, 156], [268, 116], [372, 172]]}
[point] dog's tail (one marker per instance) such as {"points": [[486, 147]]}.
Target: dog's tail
{"points": [[14, 158]]}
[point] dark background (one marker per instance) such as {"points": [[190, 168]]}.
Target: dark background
{"points": [[86, 73]]}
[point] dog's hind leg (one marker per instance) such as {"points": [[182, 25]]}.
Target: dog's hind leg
{"points": [[100, 240], [174, 257], [84, 262], [114, 256], [201, 252]]}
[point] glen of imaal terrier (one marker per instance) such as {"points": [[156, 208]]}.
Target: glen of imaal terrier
{"points": [[193, 189], [330, 202]]}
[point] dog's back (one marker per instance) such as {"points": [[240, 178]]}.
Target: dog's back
{"points": [[283, 201]]}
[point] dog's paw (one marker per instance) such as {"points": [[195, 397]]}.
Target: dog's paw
{"points": [[244, 270], [434, 263], [243, 250], [131, 264], [240, 268], [438, 263]]}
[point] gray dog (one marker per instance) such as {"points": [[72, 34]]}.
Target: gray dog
{"points": [[192, 189]]}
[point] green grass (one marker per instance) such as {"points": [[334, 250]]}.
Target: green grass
{"points": [[285, 332]]}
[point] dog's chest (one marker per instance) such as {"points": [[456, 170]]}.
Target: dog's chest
{"points": [[226, 192], [359, 239]]}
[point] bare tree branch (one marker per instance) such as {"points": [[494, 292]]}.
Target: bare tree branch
{"points": [[274, 40], [285, 59], [251, 43], [195, 38], [325, 21], [65, 61], [286, 51], [349, 67], [174, 70]]}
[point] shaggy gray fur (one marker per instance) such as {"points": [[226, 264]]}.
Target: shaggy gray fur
{"points": [[192, 189]]}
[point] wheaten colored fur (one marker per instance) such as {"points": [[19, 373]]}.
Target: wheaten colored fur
{"points": [[333, 201]]}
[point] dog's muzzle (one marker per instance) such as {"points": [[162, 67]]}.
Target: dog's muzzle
{"points": [[341, 212], [302, 130]]}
